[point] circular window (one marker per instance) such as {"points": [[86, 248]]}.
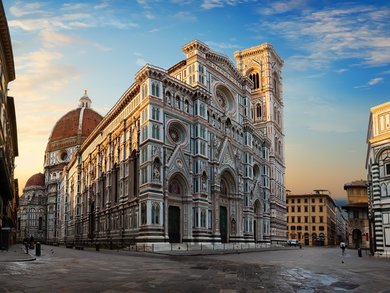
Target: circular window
{"points": [[177, 132], [64, 156], [224, 99], [174, 134]]}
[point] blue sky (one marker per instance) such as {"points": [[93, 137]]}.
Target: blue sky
{"points": [[336, 54]]}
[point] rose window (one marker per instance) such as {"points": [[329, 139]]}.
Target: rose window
{"points": [[177, 132]]}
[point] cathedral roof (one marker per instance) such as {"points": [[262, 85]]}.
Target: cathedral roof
{"points": [[72, 128], [36, 180]]}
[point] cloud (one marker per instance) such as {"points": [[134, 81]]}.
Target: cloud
{"points": [[38, 66], [222, 45], [370, 83], [185, 16], [375, 81], [210, 4], [348, 32], [280, 7], [140, 62], [26, 9], [51, 39], [342, 70], [155, 30], [68, 17]]}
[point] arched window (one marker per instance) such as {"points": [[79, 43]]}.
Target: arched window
{"points": [[155, 89], [144, 92], [143, 213], [203, 218], [156, 131], [275, 87], [383, 190], [178, 102], [254, 77], [258, 110], [155, 213]]}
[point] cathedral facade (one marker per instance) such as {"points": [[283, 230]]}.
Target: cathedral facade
{"points": [[191, 154]]}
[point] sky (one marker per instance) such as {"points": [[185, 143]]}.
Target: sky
{"points": [[336, 67]]}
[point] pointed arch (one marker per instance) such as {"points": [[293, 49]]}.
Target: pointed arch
{"points": [[178, 185]]}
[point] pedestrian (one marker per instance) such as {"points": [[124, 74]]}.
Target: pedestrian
{"points": [[25, 242], [342, 246]]}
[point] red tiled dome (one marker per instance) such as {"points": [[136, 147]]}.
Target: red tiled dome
{"points": [[69, 125], [74, 127], [36, 180]]}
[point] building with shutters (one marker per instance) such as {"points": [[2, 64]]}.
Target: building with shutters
{"points": [[314, 218]]}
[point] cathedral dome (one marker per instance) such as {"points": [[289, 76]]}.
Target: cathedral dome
{"points": [[36, 180], [74, 127]]}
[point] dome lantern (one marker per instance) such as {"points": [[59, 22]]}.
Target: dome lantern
{"points": [[85, 101]]}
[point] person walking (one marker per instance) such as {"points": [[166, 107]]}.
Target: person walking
{"points": [[342, 246]]}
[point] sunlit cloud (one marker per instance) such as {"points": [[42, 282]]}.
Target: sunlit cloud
{"points": [[350, 32], [70, 16], [342, 70], [51, 39], [26, 9]]}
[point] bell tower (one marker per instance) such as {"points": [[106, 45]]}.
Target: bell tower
{"points": [[262, 65]]}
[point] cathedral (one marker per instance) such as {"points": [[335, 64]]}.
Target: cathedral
{"points": [[189, 154]]}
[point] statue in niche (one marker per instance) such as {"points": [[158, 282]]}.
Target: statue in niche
{"points": [[156, 169], [156, 173], [234, 230]]}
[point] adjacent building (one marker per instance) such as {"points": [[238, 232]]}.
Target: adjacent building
{"points": [[314, 219], [8, 138], [378, 178], [193, 153], [357, 210]]}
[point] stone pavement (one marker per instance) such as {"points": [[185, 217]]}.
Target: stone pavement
{"points": [[16, 253]]}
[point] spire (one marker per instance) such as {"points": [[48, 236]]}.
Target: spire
{"points": [[85, 101]]}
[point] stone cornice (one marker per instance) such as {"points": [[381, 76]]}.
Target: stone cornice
{"points": [[258, 50], [380, 108], [380, 138], [218, 58], [6, 44], [195, 45]]}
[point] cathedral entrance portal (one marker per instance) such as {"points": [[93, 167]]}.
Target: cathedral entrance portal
{"points": [[256, 221], [227, 191], [174, 224], [223, 224]]}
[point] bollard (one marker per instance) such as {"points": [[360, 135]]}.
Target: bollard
{"points": [[38, 249], [97, 246], [359, 252]]}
